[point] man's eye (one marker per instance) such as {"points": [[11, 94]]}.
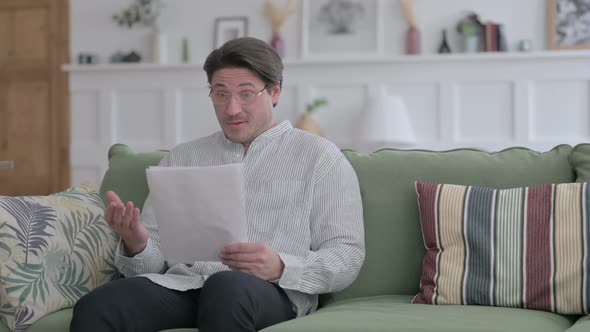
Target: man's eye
{"points": [[247, 94], [221, 94]]}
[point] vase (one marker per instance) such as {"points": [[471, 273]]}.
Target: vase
{"points": [[159, 48], [278, 44], [413, 40], [307, 123], [471, 44], [185, 51]]}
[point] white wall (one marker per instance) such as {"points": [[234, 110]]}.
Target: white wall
{"points": [[94, 31], [488, 101]]}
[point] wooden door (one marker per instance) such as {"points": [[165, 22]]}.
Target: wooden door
{"points": [[34, 108]]}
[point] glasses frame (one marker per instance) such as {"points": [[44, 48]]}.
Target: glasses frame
{"points": [[231, 95]]}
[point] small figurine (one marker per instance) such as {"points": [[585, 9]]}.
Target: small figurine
{"points": [[444, 46], [132, 57]]}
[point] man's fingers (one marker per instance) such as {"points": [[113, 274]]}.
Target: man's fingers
{"points": [[128, 214], [119, 210], [136, 215], [241, 257], [111, 196], [109, 214], [242, 247], [134, 218]]}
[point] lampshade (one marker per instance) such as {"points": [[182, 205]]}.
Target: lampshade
{"points": [[385, 119]]}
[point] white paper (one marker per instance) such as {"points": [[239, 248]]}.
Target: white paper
{"points": [[198, 209]]}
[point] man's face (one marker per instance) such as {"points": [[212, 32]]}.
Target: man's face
{"points": [[241, 121]]}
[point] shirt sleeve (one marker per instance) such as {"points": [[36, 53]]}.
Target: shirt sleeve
{"points": [[150, 260], [337, 235]]}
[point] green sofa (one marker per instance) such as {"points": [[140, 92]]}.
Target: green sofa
{"points": [[379, 300]]}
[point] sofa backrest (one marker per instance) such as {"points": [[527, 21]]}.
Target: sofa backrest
{"points": [[394, 246], [393, 263]]}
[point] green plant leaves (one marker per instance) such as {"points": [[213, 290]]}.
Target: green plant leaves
{"points": [[27, 278], [33, 219], [72, 284]]}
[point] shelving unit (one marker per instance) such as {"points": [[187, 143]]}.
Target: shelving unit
{"points": [[485, 100], [428, 58]]}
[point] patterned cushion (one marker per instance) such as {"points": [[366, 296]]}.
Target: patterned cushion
{"points": [[523, 247], [53, 250]]}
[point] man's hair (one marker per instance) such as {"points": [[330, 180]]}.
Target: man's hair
{"points": [[250, 53]]}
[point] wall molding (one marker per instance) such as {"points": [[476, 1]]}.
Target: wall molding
{"points": [[489, 101]]}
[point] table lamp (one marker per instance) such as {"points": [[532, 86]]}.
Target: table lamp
{"points": [[385, 121]]}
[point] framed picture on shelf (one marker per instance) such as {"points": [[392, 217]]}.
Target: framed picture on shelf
{"points": [[341, 28], [228, 28], [569, 24]]}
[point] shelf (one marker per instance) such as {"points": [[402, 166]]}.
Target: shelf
{"points": [[429, 58]]}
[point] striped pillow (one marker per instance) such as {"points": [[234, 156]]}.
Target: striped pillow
{"points": [[522, 247]]}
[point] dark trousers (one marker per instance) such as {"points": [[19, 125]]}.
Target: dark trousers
{"points": [[229, 301]]}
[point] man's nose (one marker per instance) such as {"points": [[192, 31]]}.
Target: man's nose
{"points": [[232, 107]]}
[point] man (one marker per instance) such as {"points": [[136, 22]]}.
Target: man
{"points": [[303, 214]]}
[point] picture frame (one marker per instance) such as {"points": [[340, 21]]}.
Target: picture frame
{"points": [[341, 28], [228, 28], [569, 24]]}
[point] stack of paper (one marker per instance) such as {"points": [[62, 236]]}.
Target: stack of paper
{"points": [[198, 209]]}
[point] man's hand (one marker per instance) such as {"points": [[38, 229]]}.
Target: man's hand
{"points": [[253, 258], [124, 220]]}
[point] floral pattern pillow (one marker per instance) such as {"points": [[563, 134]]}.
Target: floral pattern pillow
{"points": [[53, 250]]}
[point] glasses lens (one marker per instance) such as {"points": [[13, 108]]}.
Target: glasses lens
{"points": [[246, 97], [219, 97]]}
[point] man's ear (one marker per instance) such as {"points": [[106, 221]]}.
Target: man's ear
{"points": [[276, 93]]}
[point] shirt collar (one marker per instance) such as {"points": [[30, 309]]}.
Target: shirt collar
{"points": [[274, 131]]}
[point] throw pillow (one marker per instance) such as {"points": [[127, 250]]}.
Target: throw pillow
{"points": [[126, 173], [522, 247], [53, 250]]}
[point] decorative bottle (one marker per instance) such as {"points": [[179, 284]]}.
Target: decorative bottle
{"points": [[413, 40]]}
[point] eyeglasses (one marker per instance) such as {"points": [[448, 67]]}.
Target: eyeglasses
{"points": [[242, 97]]}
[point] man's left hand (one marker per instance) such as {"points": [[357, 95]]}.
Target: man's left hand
{"points": [[253, 258]]}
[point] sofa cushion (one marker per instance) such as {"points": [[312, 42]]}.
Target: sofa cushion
{"points": [[57, 248], [581, 162], [126, 173], [521, 248], [581, 325], [395, 313], [393, 262], [60, 322]]}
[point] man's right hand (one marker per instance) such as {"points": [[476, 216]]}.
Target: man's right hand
{"points": [[124, 220]]}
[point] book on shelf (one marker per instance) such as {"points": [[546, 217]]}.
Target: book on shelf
{"points": [[494, 37]]}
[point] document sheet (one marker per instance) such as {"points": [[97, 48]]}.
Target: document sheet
{"points": [[198, 209]]}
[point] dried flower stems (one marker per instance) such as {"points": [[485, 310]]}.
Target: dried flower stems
{"points": [[408, 12], [278, 16]]}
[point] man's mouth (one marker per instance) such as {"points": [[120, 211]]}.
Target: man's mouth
{"points": [[235, 124]]}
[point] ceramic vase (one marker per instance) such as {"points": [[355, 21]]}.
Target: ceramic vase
{"points": [[159, 48], [278, 43], [307, 123], [413, 40]]}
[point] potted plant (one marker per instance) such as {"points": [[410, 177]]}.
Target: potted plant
{"points": [[146, 13], [307, 121]]}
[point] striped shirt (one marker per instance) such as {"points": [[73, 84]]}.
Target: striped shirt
{"points": [[302, 200]]}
